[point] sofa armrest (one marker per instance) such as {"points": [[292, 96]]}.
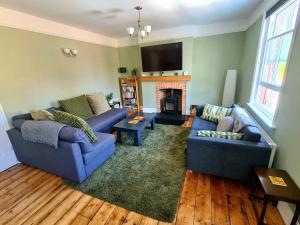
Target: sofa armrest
{"points": [[199, 110], [226, 158], [65, 161]]}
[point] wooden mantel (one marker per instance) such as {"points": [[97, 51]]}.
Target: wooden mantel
{"points": [[165, 78]]}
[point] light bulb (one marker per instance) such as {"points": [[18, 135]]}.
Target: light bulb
{"points": [[147, 28], [142, 33], [130, 30]]}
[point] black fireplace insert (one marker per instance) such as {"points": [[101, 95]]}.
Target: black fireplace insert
{"points": [[170, 101]]}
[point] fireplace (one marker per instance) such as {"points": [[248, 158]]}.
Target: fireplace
{"points": [[171, 101], [171, 97]]}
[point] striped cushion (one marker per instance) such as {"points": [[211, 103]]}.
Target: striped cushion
{"points": [[219, 134], [215, 113]]}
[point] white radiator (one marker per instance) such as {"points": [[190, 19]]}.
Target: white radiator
{"points": [[268, 139], [7, 155]]}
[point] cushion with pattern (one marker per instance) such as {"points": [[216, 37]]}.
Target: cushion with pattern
{"points": [[215, 113], [75, 121], [219, 134]]}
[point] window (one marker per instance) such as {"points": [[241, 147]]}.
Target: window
{"points": [[276, 41]]}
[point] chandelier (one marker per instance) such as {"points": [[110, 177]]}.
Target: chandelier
{"points": [[140, 33]]}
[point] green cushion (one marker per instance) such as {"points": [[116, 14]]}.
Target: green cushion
{"points": [[78, 106], [215, 113], [75, 121], [219, 134]]}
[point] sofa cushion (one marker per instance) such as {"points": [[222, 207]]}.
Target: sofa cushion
{"points": [[25, 116], [201, 124], [214, 113], [104, 141], [18, 123], [69, 134], [251, 133], [77, 106], [241, 119], [105, 121], [42, 115], [225, 124], [98, 103], [74, 121], [237, 111], [72, 134], [219, 134]]}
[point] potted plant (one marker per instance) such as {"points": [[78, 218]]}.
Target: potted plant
{"points": [[134, 72], [109, 97]]}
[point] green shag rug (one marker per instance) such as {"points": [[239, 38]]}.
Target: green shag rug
{"points": [[145, 179]]}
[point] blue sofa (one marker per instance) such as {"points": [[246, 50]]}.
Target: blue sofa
{"points": [[222, 157], [76, 158]]}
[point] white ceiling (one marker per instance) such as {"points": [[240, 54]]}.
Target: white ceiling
{"points": [[111, 17]]}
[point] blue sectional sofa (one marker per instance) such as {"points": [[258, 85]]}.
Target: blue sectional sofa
{"points": [[76, 158], [222, 157]]}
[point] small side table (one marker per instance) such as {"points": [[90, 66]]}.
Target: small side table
{"points": [[274, 193]]}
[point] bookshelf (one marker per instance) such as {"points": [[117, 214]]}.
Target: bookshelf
{"points": [[129, 92]]}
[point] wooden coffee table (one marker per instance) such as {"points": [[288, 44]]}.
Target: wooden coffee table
{"points": [[135, 129], [274, 193]]}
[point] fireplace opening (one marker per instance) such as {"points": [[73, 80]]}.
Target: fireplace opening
{"points": [[171, 102]]}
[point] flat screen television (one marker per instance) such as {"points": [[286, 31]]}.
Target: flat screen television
{"points": [[164, 57]]}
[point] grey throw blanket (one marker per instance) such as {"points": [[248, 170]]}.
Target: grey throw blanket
{"points": [[45, 132]]}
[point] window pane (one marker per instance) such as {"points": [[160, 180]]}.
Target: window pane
{"points": [[277, 51], [285, 19], [270, 62], [271, 26], [267, 99], [282, 61]]}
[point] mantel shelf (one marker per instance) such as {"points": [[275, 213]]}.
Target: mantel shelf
{"points": [[165, 78]]}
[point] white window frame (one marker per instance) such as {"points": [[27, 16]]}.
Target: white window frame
{"points": [[267, 118]]}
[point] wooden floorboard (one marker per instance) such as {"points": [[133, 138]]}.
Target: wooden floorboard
{"points": [[30, 196], [42, 198]]}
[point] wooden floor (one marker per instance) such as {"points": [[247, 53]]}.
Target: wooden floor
{"points": [[31, 196]]}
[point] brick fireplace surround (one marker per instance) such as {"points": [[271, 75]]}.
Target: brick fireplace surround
{"points": [[170, 85]]}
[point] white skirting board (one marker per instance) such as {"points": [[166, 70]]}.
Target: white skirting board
{"points": [[267, 138], [286, 212]]}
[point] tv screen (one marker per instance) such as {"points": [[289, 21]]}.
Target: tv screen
{"points": [[162, 57]]}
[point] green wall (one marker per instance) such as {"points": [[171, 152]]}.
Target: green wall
{"points": [[286, 133], [245, 76], [129, 57], [34, 73], [205, 58], [212, 57]]}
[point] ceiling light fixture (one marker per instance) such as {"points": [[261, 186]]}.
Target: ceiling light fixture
{"points": [[140, 33]]}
